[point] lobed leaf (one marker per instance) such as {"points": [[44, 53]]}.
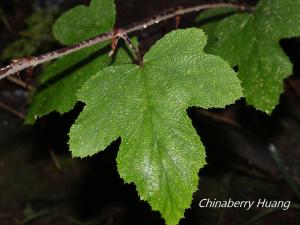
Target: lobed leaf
{"points": [[62, 79], [251, 42], [146, 106]]}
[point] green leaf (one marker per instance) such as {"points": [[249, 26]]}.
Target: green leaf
{"points": [[62, 79], [251, 41], [209, 20], [83, 22], [146, 106], [60, 95]]}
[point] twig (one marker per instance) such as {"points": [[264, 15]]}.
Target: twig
{"points": [[293, 88], [34, 217], [220, 118], [5, 215], [281, 166], [24, 63], [267, 212], [47, 213], [12, 111], [19, 83], [55, 160]]}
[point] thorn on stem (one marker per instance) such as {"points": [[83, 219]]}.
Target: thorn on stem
{"points": [[119, 33], [247, 8], [29, 73], [114, 42], [177, 21]]}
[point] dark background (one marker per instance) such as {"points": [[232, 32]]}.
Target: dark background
{"points": [[41, 184]]}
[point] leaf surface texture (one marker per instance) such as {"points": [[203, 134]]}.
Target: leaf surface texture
{"points": [[146, 105]]}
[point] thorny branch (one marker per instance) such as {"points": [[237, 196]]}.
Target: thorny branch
{"points": [[30, 62]]}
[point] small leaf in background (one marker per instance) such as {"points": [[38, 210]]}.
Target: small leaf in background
{"points": [[83, 22], [146, 105], [209, 20], [62, 79], [251, 42]]}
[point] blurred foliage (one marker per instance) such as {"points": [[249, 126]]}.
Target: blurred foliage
{"points": [[36, 36], [3, 19]]}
